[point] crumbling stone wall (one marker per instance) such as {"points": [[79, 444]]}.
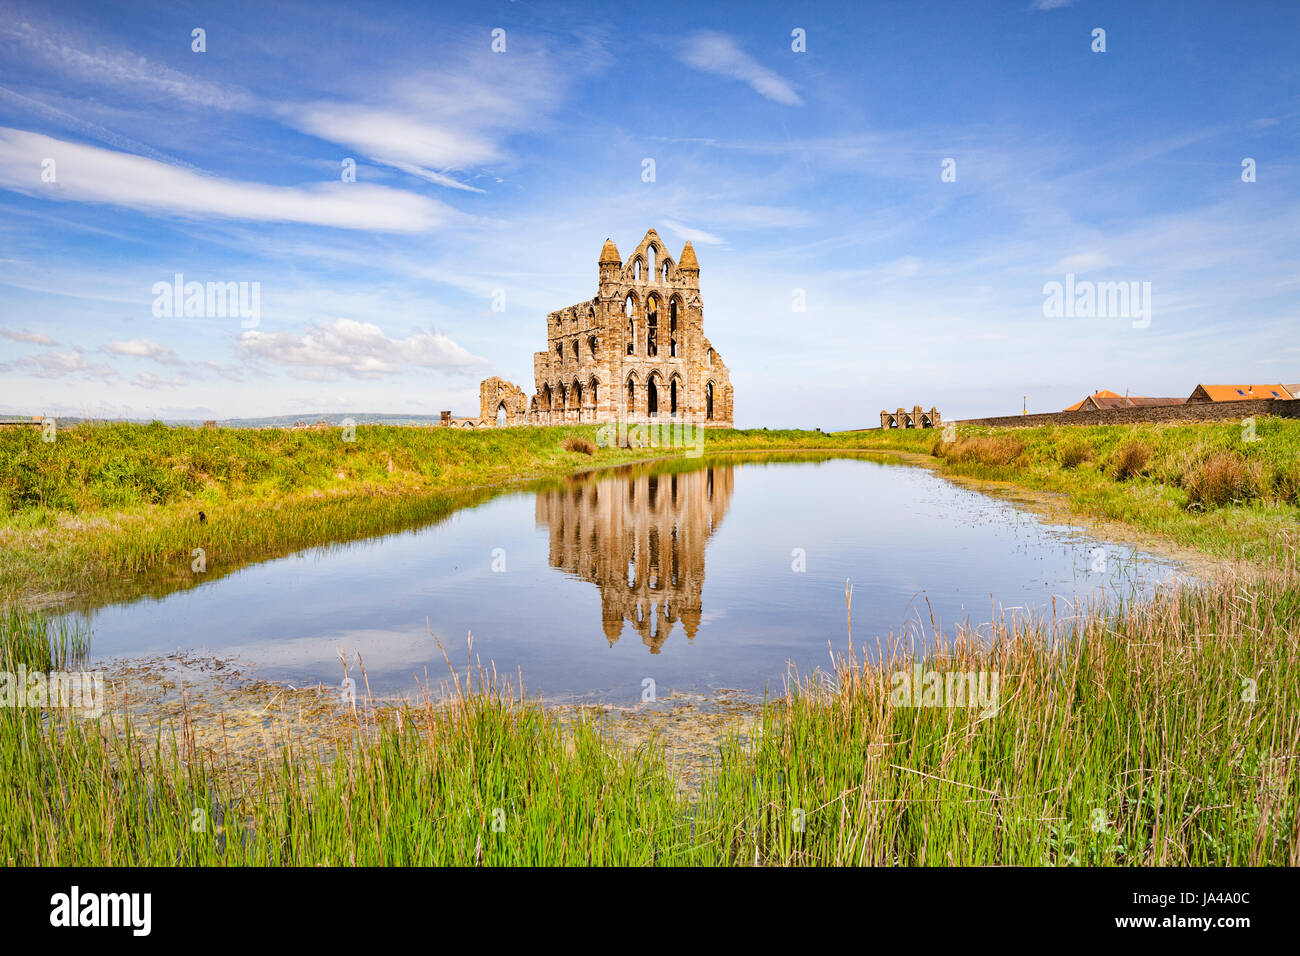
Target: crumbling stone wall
{"points": [[1187, 412], [501, 402]]}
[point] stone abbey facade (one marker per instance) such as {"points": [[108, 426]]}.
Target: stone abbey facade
{"points": [[634, 352]]}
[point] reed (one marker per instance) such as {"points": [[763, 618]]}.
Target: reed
{"points": [[1155, 733]]}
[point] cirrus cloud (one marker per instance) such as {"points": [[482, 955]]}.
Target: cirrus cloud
{"points": [[91, 174], [719, 53]]}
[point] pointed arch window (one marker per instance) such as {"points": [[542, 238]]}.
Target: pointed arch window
{"points": [[652, 327], [672, 327], [629, 310]]}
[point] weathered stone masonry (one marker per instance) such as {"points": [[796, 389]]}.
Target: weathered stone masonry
{"points": [[635, 352]]}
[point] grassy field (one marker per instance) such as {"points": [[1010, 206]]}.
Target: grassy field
{"points": [[114, 508], [1165, 732]]}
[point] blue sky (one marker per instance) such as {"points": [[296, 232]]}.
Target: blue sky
{"points": [[479, 171]]}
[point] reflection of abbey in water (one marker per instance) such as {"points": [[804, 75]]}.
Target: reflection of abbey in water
{"points": [[640, 539]]}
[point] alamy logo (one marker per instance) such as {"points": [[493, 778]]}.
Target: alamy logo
{"points": [[103, 909], [1098, 300], [923, 688], [81, 692], [212, 300], [661, 433]]}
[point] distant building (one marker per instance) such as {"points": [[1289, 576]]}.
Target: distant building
{"points": [[1238, 393], [1100, 393], [1104, 399]]}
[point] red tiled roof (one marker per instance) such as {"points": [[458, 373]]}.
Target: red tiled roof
{"points": [[1239, 393]]}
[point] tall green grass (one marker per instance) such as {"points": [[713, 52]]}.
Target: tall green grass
{"points": [[1134, 738], [39, 642], [1138, 740]]}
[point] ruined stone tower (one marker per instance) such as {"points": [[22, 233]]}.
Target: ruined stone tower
{"points": [[635, 352]]}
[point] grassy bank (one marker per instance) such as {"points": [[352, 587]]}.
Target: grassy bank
{"points": [[104, 503], [1200, 486], [115, 508], [1166, 733]]}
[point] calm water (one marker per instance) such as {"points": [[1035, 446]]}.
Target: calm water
{"points": [[687, 577]]}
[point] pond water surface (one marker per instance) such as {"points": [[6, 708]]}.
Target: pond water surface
{"points": [[701, 575]]}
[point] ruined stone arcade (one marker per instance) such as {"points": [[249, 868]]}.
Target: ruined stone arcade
{"points": [[916, 418]]}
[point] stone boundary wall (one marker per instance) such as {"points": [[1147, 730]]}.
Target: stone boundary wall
{"points": [[1194, 412]]}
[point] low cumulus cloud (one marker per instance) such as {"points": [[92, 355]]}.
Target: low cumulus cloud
{"points": [[150, 380], [52, 364], [719, 53], [30, 338], [143, 348], [359, 349]]}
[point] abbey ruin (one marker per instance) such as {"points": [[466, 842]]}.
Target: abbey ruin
{"points": [[635, 352]]}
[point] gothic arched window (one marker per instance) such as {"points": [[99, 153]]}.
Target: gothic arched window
{"points": [[652, 327]]}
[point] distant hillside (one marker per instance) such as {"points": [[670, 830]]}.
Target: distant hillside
{"points": [[273, 421], [334, 418]]}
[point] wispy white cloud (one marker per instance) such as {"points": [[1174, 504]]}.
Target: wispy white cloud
{"points": [[694, 235], [433, 123], [121, 68], [1081, 262], [356, 348], [719, 53], [90, 174], [408, 142]]}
